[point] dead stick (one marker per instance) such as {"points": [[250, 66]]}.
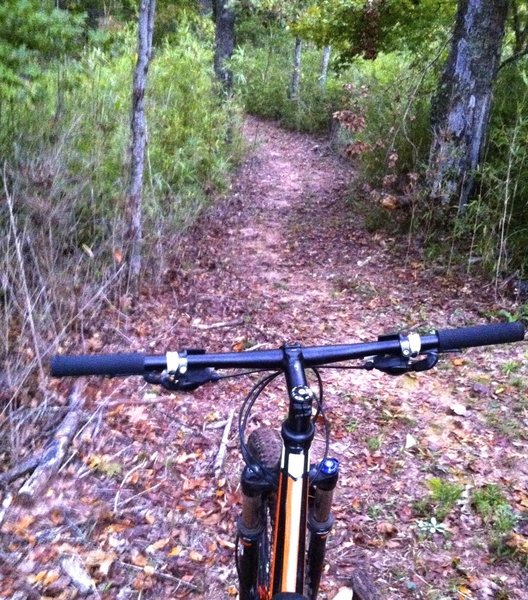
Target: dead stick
{"points": [[54, 454], [219, 460], [165, 576], [27, 465], [5, 506], [364, 587], [219, 325]]}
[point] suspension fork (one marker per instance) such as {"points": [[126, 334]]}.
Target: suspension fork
{"points": [[256, 486]]}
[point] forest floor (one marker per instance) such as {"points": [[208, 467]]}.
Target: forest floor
{"points": [[433, 493]]}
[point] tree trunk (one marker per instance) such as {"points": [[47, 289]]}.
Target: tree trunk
{"points": [[324, 66], [296, 72], [206, 7], [224, 16], [461, 107], [139, 139]]}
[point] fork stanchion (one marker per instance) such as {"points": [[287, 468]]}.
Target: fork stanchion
{"points": [[320, 521]]}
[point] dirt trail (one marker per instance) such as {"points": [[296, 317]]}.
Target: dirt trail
{"points": [[286, 258]]}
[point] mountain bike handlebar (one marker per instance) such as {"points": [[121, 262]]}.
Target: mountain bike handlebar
{"points": [[405, 346]]}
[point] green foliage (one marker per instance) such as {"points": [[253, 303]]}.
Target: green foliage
{"points": [[431, 527], [494, 228], [188, 130], [374, 443], [491, 504], [392, 98], [262, 78], [32, 33], [357, 28], [498, 215], [441, 500]]}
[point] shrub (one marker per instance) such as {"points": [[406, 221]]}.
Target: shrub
{"points": [[262, 75], [66, 149]]}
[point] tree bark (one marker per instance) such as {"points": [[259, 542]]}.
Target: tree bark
{"points": [[460, 109], [295, 83], [206, 7], [324, 66], [139, 139], [224, 16]]}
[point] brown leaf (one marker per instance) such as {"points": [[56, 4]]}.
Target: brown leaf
{"points": [[23, 523], [176, 551], [517, 542], [387, 528], [389, 202], [196, 556], [139, 560], [45, 578], [159, 545], [101, 559]]}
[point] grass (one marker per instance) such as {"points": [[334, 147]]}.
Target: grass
{"points": [[441, 500], [510, 367], [509, 427], [500, 520], [490, 503], [374, 443]]}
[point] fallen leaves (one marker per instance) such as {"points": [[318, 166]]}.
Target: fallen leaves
{"points": [[76, 571], [101, 560], [410, 441], [44, 578], [159, 545], [517, 542]]}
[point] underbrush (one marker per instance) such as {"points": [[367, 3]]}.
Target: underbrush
{"points": [[263, 74], [63, 215], [497, 219]]}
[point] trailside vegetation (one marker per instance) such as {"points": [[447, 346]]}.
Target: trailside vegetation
{"points": [[65, 139]]}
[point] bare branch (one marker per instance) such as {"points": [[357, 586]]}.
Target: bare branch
{"points": [[513, 58], [54, 454]]}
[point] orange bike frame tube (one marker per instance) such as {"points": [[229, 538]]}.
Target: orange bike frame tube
{"points": [[289, 536]]}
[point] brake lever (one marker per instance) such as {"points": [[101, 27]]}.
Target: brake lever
{"points": [[395, 365], [187, 382]]}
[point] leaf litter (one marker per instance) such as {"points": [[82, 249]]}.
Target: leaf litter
{"points": [[137, 509]]}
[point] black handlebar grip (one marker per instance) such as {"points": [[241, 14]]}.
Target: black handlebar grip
{"points": [[98, 364], [480, 335]]}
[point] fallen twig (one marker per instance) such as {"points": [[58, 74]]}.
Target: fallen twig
{"points": [[52, 457], [164, 576], [219, 325], [27, 465], [364, 587], [220, 457], [118, 493], [5, 506]]}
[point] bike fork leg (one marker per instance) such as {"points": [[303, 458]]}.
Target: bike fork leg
{"points": [[320, 522], [252, 534], [248, 561]]}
